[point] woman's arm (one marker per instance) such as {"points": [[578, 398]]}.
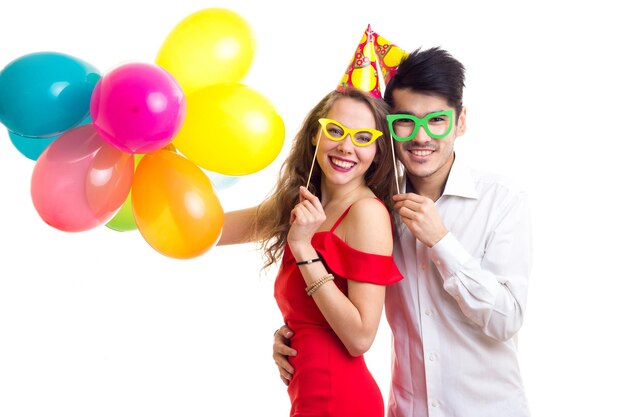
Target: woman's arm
{"points": [[238, 227], [354, 318]]}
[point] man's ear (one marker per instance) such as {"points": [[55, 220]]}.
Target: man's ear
{"points": [[461, 124]]}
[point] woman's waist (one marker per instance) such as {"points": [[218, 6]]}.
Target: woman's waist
{"points": [[318, 342]]}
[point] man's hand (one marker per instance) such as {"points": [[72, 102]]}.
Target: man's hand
{"points": [[420, 215], [282, 351]]}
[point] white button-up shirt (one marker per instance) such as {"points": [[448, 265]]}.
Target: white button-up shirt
{"points": [[455, 315]]}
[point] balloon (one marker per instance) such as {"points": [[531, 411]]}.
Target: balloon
{"points": [[32, 148], [175, 208], [210, 46], [124, 219], [46, 93], [138, 107], [230, 129], [222, 182], [80, 180]]}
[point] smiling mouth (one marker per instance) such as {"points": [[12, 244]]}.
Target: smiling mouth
{"points": [[421, 152], [342, 164]]}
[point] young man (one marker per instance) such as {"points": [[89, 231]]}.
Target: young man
{"points": [[463, 246]]}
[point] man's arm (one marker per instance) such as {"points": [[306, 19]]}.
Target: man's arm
{"points": [[491, 290], [282, 352]]}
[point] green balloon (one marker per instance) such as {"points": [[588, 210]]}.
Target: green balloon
{"points": [[124, 219]]}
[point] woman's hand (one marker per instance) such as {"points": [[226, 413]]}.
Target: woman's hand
{"points": [[306, 217]]}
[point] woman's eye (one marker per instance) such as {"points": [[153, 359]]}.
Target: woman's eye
{"points": [[363, 138], [335, 131]]}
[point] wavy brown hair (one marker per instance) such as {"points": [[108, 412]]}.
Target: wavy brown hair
{"points": [[272, 219]]}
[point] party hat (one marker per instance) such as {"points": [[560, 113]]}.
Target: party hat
{"points": [[389, 56], [362, 72]]}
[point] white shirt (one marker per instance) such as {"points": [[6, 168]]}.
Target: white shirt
{"points": [[455, 315]]}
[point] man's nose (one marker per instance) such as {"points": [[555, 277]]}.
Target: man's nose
{"points": [[421, 136]]}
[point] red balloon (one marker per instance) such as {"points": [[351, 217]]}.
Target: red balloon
{"points": [[80, 181]]}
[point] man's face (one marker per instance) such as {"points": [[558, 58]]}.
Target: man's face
{"points": [[424, 157]]}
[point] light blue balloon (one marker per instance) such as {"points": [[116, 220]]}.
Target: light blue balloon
{"points": [[32, 148], [221, 181], [45, 93]]}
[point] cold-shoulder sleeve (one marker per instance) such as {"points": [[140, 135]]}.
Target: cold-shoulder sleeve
{"points": [[353, 264]]}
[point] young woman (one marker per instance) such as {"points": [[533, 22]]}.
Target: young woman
{"points": [[334, 242]]}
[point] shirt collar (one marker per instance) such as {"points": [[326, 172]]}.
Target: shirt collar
{"points": [[461, 181]]}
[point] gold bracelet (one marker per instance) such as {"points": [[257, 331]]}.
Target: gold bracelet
{"points": [[313, 287]]}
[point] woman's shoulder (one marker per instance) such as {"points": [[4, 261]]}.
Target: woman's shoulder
{"points": [[367, 226]]}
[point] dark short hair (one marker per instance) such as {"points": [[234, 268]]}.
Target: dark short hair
{"points": [[432, 71]]}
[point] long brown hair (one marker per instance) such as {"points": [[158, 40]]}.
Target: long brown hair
{"points": [[272, 219]]}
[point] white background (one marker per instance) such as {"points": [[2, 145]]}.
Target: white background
{"points": [[97, 323]]}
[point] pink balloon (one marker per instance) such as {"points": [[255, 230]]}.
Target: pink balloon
{"points": [[138, 107], [80, 181]]}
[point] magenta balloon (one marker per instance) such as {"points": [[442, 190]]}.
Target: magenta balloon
{"points": [[138, 107], [80, 181]]}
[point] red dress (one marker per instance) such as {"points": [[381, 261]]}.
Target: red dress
{"points": [[328, 381]]}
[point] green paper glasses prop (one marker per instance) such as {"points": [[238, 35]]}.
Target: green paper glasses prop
{"points": [[404, 127]]}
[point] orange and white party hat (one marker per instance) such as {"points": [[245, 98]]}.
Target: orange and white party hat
{"points": [[362, 72]]}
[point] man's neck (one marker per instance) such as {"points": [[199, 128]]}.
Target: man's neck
{"points": [[433, 185]]}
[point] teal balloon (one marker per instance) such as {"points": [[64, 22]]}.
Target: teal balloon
{"points": [[33, 147], [45, 93], [30, 147]]}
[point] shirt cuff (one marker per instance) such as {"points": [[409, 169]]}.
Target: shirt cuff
{"points": [[449, 256]]}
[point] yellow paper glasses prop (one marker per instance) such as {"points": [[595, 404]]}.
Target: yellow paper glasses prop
{"points": [[335, 131], [360, 137]]}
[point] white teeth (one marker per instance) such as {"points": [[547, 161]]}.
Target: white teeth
{"points": [[342, 164], [420, 152]]}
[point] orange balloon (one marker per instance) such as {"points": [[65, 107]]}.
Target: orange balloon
{"points": [[175, 208]]}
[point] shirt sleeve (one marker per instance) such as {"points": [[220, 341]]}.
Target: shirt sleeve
{"points": [[356, 265], [491, 290]]}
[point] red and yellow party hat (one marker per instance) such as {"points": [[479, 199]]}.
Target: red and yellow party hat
{"points": [[389, 56], [362, 72]]}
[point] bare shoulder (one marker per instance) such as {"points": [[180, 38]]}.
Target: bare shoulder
{"points": [[368, 227]]}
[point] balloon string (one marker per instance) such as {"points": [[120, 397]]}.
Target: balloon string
{"points": [[308, 181], [395, 164]]}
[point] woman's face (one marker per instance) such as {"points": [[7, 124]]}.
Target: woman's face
{"points": [[343, 162]]}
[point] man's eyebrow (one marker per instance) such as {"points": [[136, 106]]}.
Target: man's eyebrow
{"points": [[404, 112], [414, 114]]}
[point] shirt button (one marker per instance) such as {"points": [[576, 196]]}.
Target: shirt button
{"points": [[432, 357], [428, 312], [434, 403]]}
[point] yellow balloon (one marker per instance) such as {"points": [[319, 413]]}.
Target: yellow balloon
{"points": [[174, 205], [209, 46], [230, 129]]}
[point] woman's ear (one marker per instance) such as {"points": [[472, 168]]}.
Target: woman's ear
{"points": [[315, 138]]}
